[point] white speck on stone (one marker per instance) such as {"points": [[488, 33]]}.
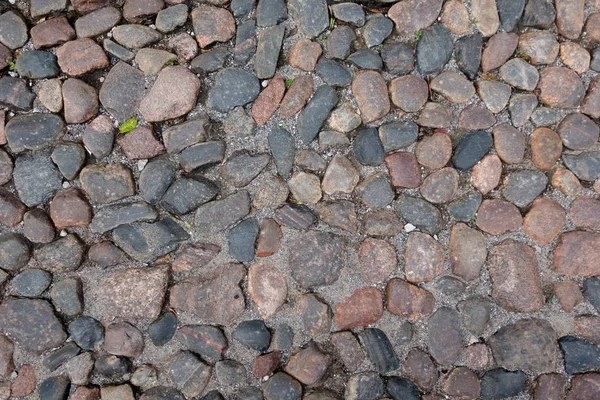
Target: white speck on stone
{"points": [[13, 74], [66, 185], [141, 164], [435, 237], [12, 1], [153, 26], [101, 79], [264, 83], [63, 233], [109, 34], [409, 227]]}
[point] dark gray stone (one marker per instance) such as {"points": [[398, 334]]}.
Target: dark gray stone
{"points": [[578, 132], [313, 116], [402, 389], [586, 165], [349, 12], [398, 134], [333, 73], [450, 286], [249, 393], [366, 59], [434, 50], [472, 147], [170, 18], [376, 30], [475, 313], [189, 133], [86, 332], [233, 87], [187, 194], [31, 282], [522, 187], [510, 12], [579, 355], [15, 94], [242, 240], [55, 388], [67, 296], [155, 179], [122, 91], [398, 58], [283, 339], [31, 323], [230, 372], [13, 31], [468, 54], [520, 74], [242, 168], [146, 242], [36, 178], [465, 207], [98, 140], [539, 14], [117, 50], [58, 357], [213, 395], [39, 8], [245, 42], [521, 107], [209, 342], [14, 251], [379, 350], [97, 22], [64, 254], [110, 217], [270, 12], [241, 8], [339, 42], [281, 386], [162, 393], [112, 367], [591, 291], [368, 148], [188, 373], [36, 64], [162, 330], [69, 157], [296, 216], [267, 51], [134, 36], [33, 131], [317, 259], [202, 155], [364, 386], [210, 61], [283, 150], [420, 213], [544, 116], [595, 61], [499, 384], [376, 191], [444, 337], [311, 16], [218, 215]]}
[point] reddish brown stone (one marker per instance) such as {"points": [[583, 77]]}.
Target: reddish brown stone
{"points": [[585, 387], [69, 209], [304, 54], [515, 277], [509, 143], [546, 148], [498, 50], [569, 17], [461, 383], [485, 16], [363, 307], [544, 220], [591, 102], [566, 182], [2, 123], [51, 32], [453, 86], [140, 143], [377, 260], [296, 96], [434, 151], [540, 47], [11, 209], [371, 95], [266, 364], [348, 349], [85, 393], [382, 223], [435, 115], [123, 339], [409, 92], [476, 356], [497, 217], [411, 16], [194, 255], [575, 57], [440, 186], [6, 356], [81, 56], [404, 170], [485, 175], [568, 294], [577, 254], [455, 17], [310, 365], [314, 313], [269, 238], [475, 117], [588, 327], [407, 300], [268, 100], [560, 87], [467, 251], [267, 287], [140, 11], [80, 101], [423, 258], [106, 254], [25, 381], [212, 24], [419, 367], [584, 212], [592, 27], [86, 6]]}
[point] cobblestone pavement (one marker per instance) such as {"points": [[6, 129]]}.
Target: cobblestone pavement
{"points": [[301, 199]]}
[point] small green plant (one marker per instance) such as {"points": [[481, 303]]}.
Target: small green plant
{"points": [[288, 82], [331, 22], [475, 20], [11, 65], [323, 37], [170, 63], [418, 34], [128, 125], [379, 47]]}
